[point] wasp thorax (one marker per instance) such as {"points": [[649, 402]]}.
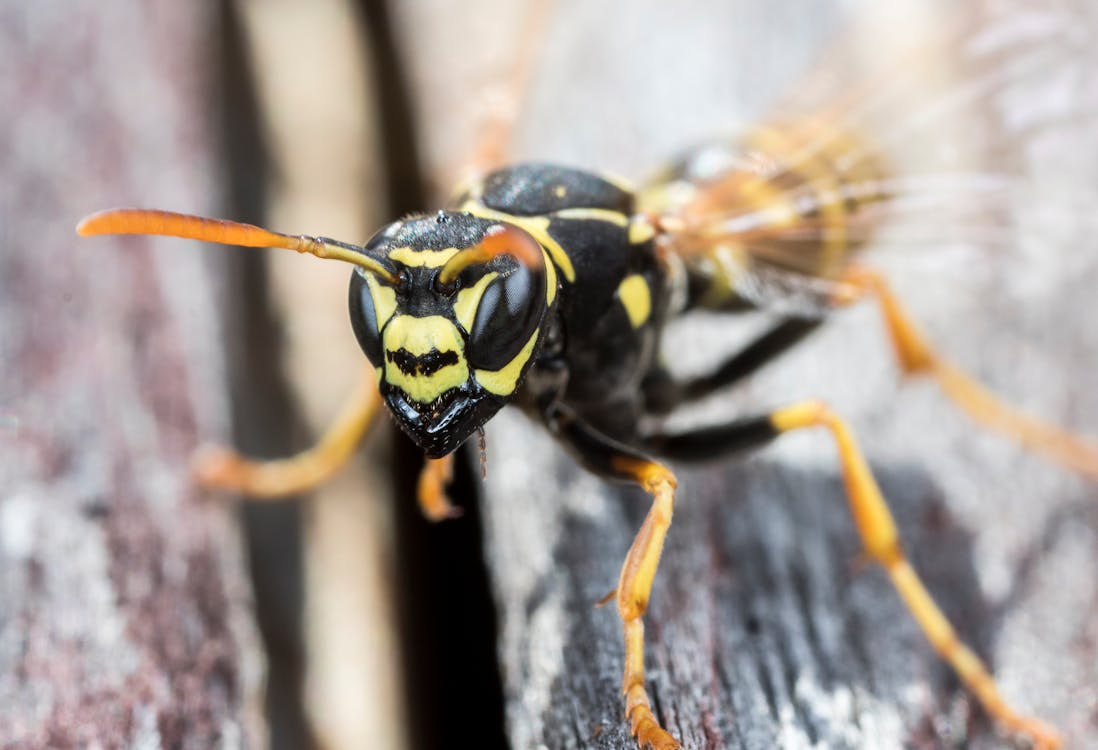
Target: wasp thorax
{"points": [[454, 334]]}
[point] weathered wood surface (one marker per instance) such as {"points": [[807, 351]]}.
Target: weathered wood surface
{"points": [[762, 632], [125, 617]]}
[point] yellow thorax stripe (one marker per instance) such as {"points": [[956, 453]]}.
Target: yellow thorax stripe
{"points": [[537, 226], [593, 214], [550, 279], [640, 230], [636, 298], [504, 381]]}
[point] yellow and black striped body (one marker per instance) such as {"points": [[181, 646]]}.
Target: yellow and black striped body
{"points": [[604, 334], [584, 326], [729, 226], [769, 214]]}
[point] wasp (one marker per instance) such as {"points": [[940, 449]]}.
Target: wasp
{"points": [[550, 287]]}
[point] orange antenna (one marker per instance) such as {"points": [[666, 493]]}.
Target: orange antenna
{"points": [[170, 224], [502, 239]]}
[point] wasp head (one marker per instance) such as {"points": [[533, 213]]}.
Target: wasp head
{"points": [[455, 329], [448, 308]]}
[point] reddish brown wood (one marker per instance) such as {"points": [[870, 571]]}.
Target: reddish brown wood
{"points": [[125, 614]]}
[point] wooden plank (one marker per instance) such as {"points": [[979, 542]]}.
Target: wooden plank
{"points": [[761, 633], [125, 613]]}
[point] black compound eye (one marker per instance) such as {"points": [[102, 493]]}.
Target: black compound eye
{"points": [[508, 314], [364, 318]]}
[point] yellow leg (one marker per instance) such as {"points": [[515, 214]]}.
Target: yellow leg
{"points": [[601, 455], [225, 469], [431, 489], [916, 357], [634, 587], [881, 541]]}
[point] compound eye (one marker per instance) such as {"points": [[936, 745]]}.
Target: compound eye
{"points": [[364, 317], [508, 314]]}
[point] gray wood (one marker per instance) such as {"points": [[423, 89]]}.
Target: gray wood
{"points": [[125, 617], [762, 632]]}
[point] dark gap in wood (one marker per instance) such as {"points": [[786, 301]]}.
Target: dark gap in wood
{"points": [[448, 617], [266, 421]]}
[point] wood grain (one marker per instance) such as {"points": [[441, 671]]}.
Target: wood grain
{"points": [[125, 614]]}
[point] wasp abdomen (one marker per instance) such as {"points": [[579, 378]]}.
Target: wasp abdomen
{"points": [[767, 214]]}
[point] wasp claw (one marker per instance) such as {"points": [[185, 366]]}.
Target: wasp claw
{"points": [[606, 599]]}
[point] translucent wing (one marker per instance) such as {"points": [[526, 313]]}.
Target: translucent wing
{"points": [[907, 135]]}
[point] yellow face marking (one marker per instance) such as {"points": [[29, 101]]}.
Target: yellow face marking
{"points": [[636, 298], [593, 214], [640, 230], [465, 305], [419, 336], [384, 300], [425, 258], [560, 191], [537, 226], [504, 381]]}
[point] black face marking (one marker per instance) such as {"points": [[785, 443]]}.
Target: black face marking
{"points": [[423, 364], [440, 427]]}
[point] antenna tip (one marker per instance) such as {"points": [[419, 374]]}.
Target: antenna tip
{"points": [[90, 224]]}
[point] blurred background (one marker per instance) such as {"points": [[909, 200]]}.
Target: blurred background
{"points": [[136, 610]]}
